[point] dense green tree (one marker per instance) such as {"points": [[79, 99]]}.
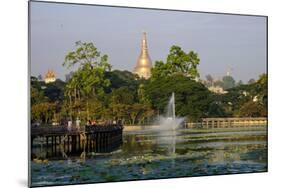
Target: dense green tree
{"points": [[141, 103], [240, 100], [261, 89], [119, 102], [37, 96], [235, 98], [216, 110], [96, 109], [35, 83], [252, 109], [134, 111], [124, 106], [192, 98], [43, 112], [122, 96], [120, 79], [89, 80], [86, 54], [142, 97], [55, 90], [216, 107], [177, 61]]}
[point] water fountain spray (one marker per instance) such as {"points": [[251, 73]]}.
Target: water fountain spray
{"points": [[170, 121]]}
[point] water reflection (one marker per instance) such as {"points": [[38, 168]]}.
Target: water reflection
{"points": [[173, 153]]}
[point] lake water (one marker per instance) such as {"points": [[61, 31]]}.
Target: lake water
{"points": [[150, 154]]}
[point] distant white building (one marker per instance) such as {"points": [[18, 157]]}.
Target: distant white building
{"points": [[50, 77], [217, 89]]}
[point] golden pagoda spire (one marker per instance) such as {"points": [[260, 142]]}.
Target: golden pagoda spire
{"points": [[143, 66], [50, 76]]}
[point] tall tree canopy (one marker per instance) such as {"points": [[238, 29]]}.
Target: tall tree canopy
{"points": [[45, 100], [121, 78], [262, 89], [192, 98], [177, 61], [89, 80], [247, 99]]}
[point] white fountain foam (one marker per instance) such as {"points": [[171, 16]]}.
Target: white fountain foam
{"points": [[170, 121], [168, 125]]}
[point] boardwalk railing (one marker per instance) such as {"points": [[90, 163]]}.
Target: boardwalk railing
{"points": [[55, 130], [99, 138], [63, 130], [227, 122]]}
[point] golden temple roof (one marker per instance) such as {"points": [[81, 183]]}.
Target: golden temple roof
{"points": [[50, 77], [50, 74], [144, 65]]}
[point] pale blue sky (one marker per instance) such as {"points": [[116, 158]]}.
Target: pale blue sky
{"points": [[221, 41]]}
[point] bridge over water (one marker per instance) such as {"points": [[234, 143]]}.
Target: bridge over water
{"points": [[228, 122], [98, 138]]}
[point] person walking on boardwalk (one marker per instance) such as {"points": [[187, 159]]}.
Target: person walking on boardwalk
{"points": [[69, 125], [94, 122], [78, 123]]}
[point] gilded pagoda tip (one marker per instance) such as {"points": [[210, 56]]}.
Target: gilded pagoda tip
{"points": [[144, 65]]}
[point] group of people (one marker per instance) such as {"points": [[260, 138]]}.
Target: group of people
{"points": [[105, 123], [92, 122], [77, 123]]}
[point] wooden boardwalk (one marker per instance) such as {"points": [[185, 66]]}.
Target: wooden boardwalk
{"points": [[227, 122], [99, 138]]}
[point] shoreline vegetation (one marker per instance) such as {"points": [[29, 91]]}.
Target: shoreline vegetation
{"points": [[93, 91]]}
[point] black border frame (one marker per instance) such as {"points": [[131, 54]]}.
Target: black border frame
{"points": [[144, 8]]}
